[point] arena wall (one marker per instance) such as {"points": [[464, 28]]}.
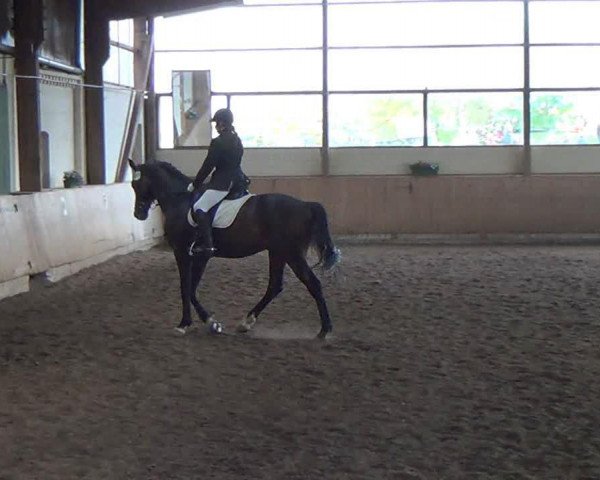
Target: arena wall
{"points": [[501, 204], [52, 234], [479, 189], [57, 233]]}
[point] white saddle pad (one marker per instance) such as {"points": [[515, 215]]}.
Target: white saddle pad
{"points": [[226, 212]]}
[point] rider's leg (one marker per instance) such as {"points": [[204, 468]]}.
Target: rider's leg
{"points": [[203, 243]]}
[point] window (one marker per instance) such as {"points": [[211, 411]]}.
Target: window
{"points": [[431, 68], [258, 71], [241, 28], [278, 120], [118, 68], [121, 32], [414, 24], [385, 61], [375, 120], [564, 22], [564, 54], [565, 118], [475, 119], [166, 127], [569, 67]]}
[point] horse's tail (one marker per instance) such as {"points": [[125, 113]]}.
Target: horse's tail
{"points": [[329, 254]]}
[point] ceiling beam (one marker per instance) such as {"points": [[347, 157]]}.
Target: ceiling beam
{"points": [[119, 9]]}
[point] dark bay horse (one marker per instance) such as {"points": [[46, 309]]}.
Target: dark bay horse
{"points": [[284, 226]]}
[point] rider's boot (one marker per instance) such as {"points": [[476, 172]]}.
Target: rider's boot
{"points": [[203, 241]]}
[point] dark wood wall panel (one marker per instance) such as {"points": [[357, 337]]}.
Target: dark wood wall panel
{"points": [[119, 9], [7, 18], [62, 21]]}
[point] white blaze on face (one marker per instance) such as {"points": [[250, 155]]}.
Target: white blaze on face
{"points": [[137, 175]]}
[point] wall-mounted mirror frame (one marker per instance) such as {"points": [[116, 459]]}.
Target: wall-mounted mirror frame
{"points": [[191, 108]]}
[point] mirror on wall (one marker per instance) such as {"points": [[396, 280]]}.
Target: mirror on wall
{"points": [[191, 108]]}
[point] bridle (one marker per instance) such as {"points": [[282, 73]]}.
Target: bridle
{"points": [[146, 205]]}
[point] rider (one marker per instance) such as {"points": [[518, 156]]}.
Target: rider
{"points": [[224, 157]]}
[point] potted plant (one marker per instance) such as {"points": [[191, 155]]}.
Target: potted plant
{"points": [[72, 179], [424, 168]]}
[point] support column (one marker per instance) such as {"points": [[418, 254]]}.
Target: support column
{"points": [[527, 167], [28, 38], [144, 50], [325, 163], [150, 106], [96, 53]]}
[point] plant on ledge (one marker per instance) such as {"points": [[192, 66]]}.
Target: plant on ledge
{"points": [[424, 168], [72, 179]]}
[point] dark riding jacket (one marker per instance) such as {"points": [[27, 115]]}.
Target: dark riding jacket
{"points": [[224, 157]]}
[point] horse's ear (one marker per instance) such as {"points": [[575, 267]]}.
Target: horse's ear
{"points": [[133, 166]]}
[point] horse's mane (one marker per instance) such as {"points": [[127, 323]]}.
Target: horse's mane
{"points": [[171, 169], [171, 179]]}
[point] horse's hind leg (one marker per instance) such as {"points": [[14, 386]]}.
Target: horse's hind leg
{"points": [[312, 283], [198, 267], [276, 266]]}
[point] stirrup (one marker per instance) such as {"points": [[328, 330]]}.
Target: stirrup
{"points": [[200, 250]]}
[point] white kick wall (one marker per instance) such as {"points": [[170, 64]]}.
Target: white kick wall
{"points": [[58, 233]]}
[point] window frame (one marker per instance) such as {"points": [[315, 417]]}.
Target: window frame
{"points": [[118, 46], [524, 88]]}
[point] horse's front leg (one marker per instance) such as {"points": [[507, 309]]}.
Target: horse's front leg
{"points": [[198, 267], [184, 265]]}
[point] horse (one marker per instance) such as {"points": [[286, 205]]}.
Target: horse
{"points": [[282, 225]]}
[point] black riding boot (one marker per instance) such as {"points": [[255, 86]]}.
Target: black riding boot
{"points": [[203, 242]]}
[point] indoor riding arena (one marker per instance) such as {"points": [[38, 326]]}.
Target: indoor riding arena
{"points": [[458, 261]]}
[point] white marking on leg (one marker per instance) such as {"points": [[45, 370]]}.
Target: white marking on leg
{"points": [[181, 330], [212, 323], [246, 323]]}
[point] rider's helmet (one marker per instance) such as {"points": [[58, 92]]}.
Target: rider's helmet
{"points": [[223, 115]]}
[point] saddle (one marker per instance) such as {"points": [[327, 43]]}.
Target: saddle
{"points": [[233, 194], [238, 190], [236, 193]]}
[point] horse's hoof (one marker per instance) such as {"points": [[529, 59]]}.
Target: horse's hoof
{"points": [[322, 335], [215, 328], [181, 330], [246, 324]]}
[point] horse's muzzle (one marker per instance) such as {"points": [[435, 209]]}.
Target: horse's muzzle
{"points": [[141, 210], [140, 215]]}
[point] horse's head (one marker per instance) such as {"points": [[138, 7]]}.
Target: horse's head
{"points": [[142, 187]]}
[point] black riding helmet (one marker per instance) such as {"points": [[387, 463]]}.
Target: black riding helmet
{"points": [[223, 115]]}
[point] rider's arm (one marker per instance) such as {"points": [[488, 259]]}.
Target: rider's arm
{"points": [[209, 164]]}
